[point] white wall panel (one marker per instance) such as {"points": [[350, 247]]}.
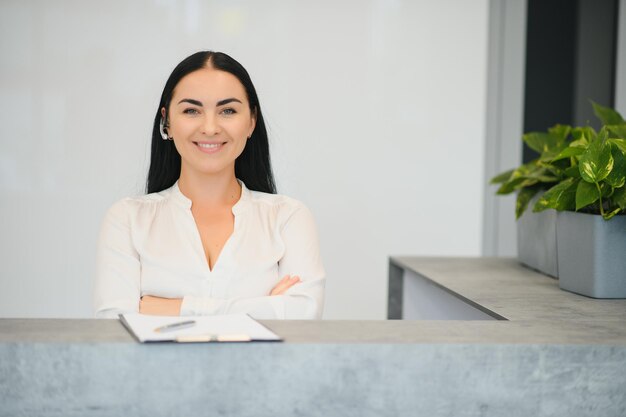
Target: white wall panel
{"points": [[505, 120], [376, 112]]}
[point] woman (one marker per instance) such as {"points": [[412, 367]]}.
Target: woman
{"points": [[211, 236]]}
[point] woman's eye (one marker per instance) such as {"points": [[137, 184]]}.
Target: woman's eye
{"points": [[229, 111], [191, 111]]}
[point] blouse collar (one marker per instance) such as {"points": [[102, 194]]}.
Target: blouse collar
{"points": [[182, 200]]}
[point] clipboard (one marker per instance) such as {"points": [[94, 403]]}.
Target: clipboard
{"points": [[221, 328]]}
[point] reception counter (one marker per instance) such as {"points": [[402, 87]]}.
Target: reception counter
{"points": [[531, 350]]}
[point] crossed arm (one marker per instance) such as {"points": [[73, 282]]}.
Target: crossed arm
{"points": [[149, 304]]}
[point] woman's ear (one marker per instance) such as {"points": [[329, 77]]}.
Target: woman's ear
{"points": [[252, 122], [163, 125]]}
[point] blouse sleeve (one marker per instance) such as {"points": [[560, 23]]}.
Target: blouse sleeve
{"points": [[117, 286], [304, 300]]}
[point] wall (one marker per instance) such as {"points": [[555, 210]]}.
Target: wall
{"points": [[504, 120], [376, 111], [620, 71]]}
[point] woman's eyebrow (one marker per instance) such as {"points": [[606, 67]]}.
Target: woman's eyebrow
{"points": [[228, 100], [191, 101], [219, 103]]}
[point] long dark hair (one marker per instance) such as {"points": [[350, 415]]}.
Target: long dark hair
{"points": [[252, 166]]}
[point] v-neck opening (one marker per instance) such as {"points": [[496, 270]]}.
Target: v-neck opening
{"points": [[200, 244], [237, 209], [226, 245]]}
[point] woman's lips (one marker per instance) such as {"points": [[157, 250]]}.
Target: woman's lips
{"points": [[210, 147]]}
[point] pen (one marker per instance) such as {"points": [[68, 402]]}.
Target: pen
{"points": [[175, 326]]}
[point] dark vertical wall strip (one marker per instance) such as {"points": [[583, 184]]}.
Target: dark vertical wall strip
{"points": [[596, 58], [550, 60], [570, 59]]}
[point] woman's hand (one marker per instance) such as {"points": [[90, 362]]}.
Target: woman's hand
{"points": [[158, 306], [284, 284]]}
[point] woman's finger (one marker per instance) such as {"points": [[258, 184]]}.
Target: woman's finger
{"points": [[278, 289], [284, 285], [280, 284]]}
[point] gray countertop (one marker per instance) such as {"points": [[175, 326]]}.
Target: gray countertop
{"points": [[346, 331], [511, 290]]}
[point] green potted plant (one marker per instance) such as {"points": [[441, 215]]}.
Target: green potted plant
{"points": [[536, 231], [581, 174]]}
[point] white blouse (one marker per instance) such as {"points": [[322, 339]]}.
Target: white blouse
{"points": [[150, 245]]}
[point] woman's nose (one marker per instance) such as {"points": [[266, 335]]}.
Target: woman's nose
{"points": [[210, 126]]}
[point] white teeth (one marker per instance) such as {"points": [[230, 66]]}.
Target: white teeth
{"points": [[209, 145]]}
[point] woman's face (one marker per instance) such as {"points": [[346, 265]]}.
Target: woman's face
{"points": [[209, 120]]}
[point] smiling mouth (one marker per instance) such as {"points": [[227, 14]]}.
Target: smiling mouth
{"points": [[209, 147]]}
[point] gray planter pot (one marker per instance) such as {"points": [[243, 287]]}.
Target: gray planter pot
{"points": [[536, 240], [592, 254]]}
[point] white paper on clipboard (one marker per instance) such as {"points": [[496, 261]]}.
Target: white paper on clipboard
{"points": [[222, 328]]}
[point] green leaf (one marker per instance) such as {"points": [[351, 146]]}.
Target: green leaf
{"points": [[524, 170], [572, 172], [560, 197], [620, 143], [586, 133], [516, 178], [528, 182], [609, 216], [580, 143], [617, 176], [597, 162], [541, 141], [510, 186], [542, 175], [586, 194], [554, 170], [619, 131], [607, 115], [568, 153], [619, 197], [523, 198], [525, 176], [503, 177], [560, 131], [549, 155]]}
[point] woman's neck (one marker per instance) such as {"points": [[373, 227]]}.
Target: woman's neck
{"points": [[210, 190]]}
